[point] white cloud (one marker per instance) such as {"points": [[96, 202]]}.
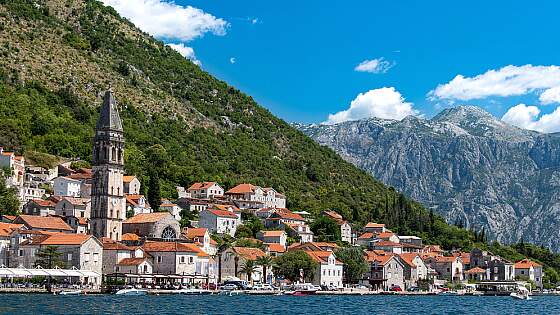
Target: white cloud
{"points": [[186, 52], [527, 117], [550, 96], [167, 20], [383, 103], [378, 65], [504, 82], [232, 60]]}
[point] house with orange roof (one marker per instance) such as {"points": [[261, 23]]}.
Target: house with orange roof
{"points": [[114, 252], [275, 236], [16, 164], [131, 185], [248, 196], [185, 259], [135, 266], [205, 190], [329, 271], [155, 225], [499, 269], [79, 251], [5, 232], [39, 207], [299, 231], [345, 227], [414, 268], [476, 274], [375, 227], [73, 207], [387, 246], [172, 208], [49, 224], [201, 237], [386, 270], [527, 269], [448, 268], [274, 249], [218, 220], [137, 204], [233, 259]]}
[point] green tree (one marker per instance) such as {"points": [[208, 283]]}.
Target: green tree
{"points": [[265, 262], [290, 263], [326, 229], [243, 231], [355, 265], [49, 257], [9, 203], [154, 190], [248, 268]]}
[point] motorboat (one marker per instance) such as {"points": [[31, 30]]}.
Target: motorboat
{"points": [[302, 289], [132, 291], [73, 292], [521, 294], [193, 292]]}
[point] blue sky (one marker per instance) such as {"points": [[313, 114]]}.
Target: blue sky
{"points": [[299, 58]]}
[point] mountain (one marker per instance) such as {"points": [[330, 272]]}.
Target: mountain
{"points": [[472, 168], [181, 124]]}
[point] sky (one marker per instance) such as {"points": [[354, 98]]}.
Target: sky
{"points": [[332, 61]]}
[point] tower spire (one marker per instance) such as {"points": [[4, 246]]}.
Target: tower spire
{"points": [[109, 118]]}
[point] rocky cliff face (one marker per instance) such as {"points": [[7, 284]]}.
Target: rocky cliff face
{"points": [[467, 165]]}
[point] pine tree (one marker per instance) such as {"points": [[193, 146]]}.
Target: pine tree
{"points": [[154, 190]]}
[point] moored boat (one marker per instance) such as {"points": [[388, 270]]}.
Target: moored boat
{"points": [[73, 292], [302, 289], [521, 294], [132, 291]]}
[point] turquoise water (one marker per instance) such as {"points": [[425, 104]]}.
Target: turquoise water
{"points": [[176, 304]]}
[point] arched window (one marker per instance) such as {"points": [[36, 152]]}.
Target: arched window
{"points": [[96, 154], [120, 155], [113, 154], [168, 233], [105, 153]]}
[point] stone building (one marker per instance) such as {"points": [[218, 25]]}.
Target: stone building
{"points": [[108, 204], [159, 225]]}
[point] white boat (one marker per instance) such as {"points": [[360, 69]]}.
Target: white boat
{"points": [[301, 289], [521, 294], [74, 292], [132, 291], [193, 292]]}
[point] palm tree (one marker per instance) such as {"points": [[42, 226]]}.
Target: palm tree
{"points": [[224, 244], [266, 262], [249, 267]]}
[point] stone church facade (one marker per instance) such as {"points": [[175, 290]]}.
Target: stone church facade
{"points": [[108, 203]]}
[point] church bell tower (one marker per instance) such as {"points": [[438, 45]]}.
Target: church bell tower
{"points": [[108, 205]]}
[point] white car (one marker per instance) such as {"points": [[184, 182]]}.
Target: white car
{"points": [[263, 287], [229, 286]]}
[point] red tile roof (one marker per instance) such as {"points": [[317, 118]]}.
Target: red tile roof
{"points": [[132, 261], [109, 244], [387, 244], [7, 228], [9, 217], [366, 235], [202, 185], [173, 247], [378, 256], [272, 233], [133, 199], [242, 189], [76, 201], [248, 252], [46, 223], [64, 239], [526, 264], [321, 256], [384, 235], [375, 225], [408, 258], [128, 179], [130, 237], [333, 214], [289, 215], [445, 259], [196, 232], [147, 218], [475, 270], [44, 203], [222, 213], [275, 247]]}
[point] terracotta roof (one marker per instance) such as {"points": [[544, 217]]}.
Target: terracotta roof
{"points": [[475, 270], [195, 232], [275, 247], [9, 217], [65, 239], [128, 179], [202, 185], [222, 213], [320, 256], [408, 258], [272, 233], [225, 207], [76, 201], [130, 237], [465, 257], [526, 264], [7, 228], [384, 235], [173, 247], [325, 244], [289, 215], [387, 244], [333, 214], [48, 223], [82, 221], [80, 176], [445, 259], [242, 189], [378, 256], [132, 261], [374, 225], [147, 217], [366, 235], [6, 153], [248, 252], [432, 248], [168, 205], [133, 199], [109, 244], [44, 203]]}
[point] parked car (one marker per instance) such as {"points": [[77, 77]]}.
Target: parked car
{"points": [[414, 289], [263, 287], [329, 287], [241, 285], [229, 286], [395, 288]]}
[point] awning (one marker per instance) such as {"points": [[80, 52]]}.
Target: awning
{"points": [[31, 272]]}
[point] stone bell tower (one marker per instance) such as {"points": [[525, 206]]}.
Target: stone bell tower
{"points": [[108, 204]]}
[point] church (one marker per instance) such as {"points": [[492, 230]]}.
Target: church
{"points": [[108, 203]]}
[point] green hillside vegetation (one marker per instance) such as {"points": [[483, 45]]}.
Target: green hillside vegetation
{"points": [[181, 124]]}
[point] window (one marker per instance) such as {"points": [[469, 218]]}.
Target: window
{"points": [[159, 259], [191, 260], [20, 253], [95, 257], [117, 269], [182, 259], [522, 272], [86, 257], [82, 214], [69, 256]]}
